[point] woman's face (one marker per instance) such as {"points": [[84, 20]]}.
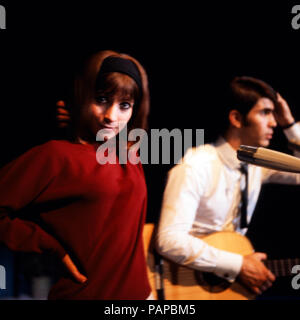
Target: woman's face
{"points": [[106, 116]]}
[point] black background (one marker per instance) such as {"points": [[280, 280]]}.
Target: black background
{"points": [[190, 51]]}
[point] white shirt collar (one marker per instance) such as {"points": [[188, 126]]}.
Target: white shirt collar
{"points": [[227, 154]]}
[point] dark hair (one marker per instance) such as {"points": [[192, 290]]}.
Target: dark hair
{"points": [[112, 83], [244, 92]]}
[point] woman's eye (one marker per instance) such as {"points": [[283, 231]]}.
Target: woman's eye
{"points": [[101, 99], [125, 105]]}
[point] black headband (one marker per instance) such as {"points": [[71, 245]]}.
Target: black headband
{"points": [[126, 66]]}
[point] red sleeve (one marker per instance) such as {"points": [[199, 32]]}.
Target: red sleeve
{"points": [[21, 182]]}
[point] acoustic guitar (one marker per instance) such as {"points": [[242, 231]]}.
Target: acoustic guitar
{"points": [[171, 281]]}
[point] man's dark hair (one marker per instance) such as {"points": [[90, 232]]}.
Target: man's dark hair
{"points": [[244, 92]]}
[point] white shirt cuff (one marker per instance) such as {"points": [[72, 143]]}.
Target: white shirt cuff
{"points": [[293, 133], [228, 265]]}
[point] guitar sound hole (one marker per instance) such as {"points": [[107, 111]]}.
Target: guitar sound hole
{"points": [[211, 282]]}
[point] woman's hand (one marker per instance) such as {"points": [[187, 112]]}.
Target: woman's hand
{"points": [[68, 263], [63, 115]]}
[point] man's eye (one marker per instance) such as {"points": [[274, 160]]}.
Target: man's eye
{"points": [[101, 99], [266, 111]]}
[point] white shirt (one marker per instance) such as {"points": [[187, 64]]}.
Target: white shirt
{"points": [[203, 195]]}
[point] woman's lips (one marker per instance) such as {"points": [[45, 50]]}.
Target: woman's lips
{"points": [[107, 127]]}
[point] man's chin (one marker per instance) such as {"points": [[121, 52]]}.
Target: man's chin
{"points": [[265, 143]]}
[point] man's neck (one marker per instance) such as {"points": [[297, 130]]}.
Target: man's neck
{"points": [[233, 139]]}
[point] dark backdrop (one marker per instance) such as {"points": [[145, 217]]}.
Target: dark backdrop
{"points": [[190, 52]]}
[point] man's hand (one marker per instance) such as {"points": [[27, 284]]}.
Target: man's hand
{"points": [[68, 263], [283, 112], [254, 274], [63, 115]]}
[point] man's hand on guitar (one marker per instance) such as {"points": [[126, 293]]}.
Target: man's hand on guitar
{"points": [[254, 273]]}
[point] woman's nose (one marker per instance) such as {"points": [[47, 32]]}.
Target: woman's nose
{"points": [[111, 113]]}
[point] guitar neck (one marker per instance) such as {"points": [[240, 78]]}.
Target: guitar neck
{"points": [[282, 267]]}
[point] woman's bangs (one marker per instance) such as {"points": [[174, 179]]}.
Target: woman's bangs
{"points": [[118, 84]]}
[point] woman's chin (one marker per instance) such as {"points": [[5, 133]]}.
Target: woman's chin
{"points": [[105, 134]]}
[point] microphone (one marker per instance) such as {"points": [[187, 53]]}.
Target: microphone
{"points": [[269, 158]]}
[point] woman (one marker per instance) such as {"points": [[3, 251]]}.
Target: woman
{"points": [[90, 215]]}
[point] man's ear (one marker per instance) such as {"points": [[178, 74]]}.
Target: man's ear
{"points": [[235, 118]]}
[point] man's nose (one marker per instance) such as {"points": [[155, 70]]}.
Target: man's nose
{"points": [[272, 121]]}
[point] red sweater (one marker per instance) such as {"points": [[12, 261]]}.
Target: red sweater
{"points": [[95, 213]]}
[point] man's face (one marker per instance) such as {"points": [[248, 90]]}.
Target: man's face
{"points": [[260, 122]]}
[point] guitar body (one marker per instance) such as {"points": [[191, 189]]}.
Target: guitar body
{"points": [[148, 237], [183, 283], [188, 284]]}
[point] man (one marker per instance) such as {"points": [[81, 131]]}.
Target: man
{"points": [[203, 193]]}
